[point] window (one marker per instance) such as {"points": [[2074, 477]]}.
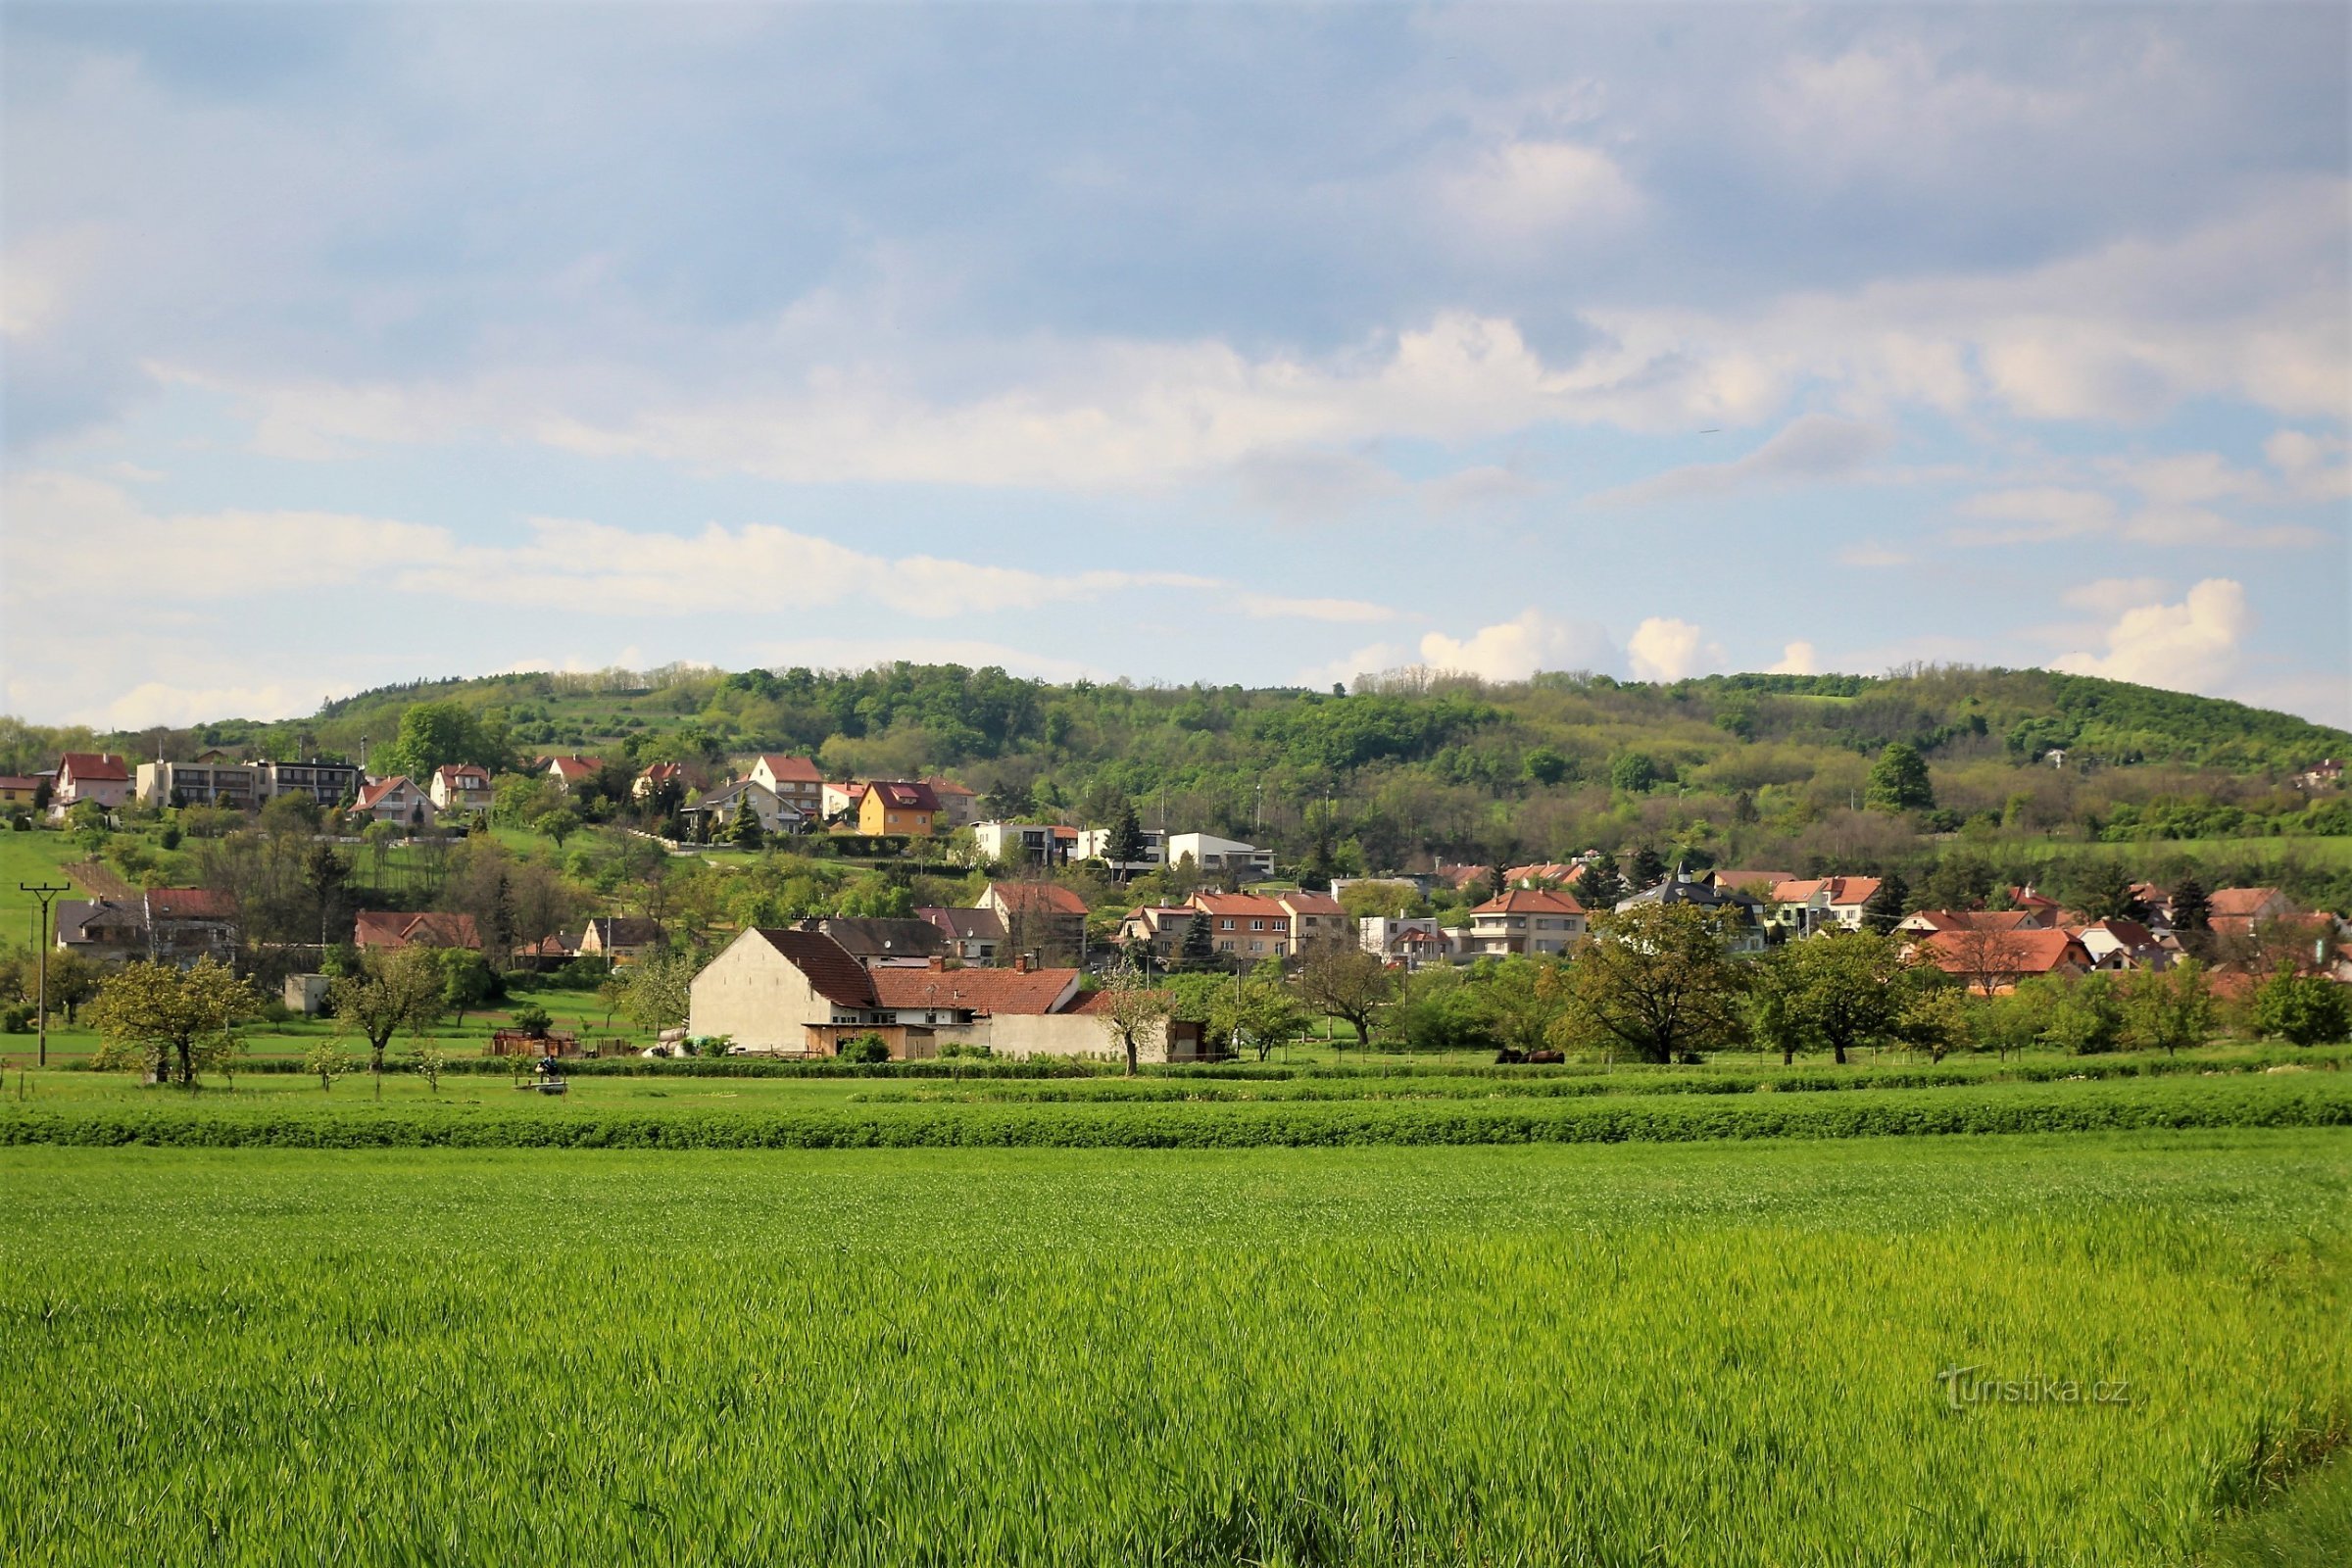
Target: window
{"points": [[1225, 925], [1258, 925]]}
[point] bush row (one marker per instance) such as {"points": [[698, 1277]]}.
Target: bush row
{"points": [[2037, 1108]]}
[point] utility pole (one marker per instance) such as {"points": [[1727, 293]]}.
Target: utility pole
{"points": [[44, 891]]}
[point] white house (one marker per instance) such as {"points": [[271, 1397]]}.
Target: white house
{"points": [[1094, 844], [1212, 856]]}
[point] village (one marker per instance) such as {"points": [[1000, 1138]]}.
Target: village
{"points": [[1021, 969]]}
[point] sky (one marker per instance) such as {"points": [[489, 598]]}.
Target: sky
{"points": [[344, 345]]}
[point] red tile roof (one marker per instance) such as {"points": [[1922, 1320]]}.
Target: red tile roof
{"points": [[10, 781], [904, 795], [1309, 903], [1252, 904], [94, 768], [835, 975], [190, 904], [1977, 919], [792, 769], [2026, 950], [573, 767], [2240, 902], [1530, 901], [948, 786], [451, 772], [1097, 1004], [1005, 990], [1037, 898], [370, 793], [662, 772], [395, 929]]}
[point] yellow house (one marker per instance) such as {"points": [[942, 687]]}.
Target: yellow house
{"points": [[897, 806], [16, 791]]}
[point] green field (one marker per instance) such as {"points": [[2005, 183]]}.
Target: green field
{"points": [[1721, 1353]]}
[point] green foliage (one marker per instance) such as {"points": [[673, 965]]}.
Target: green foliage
{"points": [[171, 1022], [1634, 772], [654, 990], [863, 1049], [2169, 1010], [1898, 782], [531, 1019], [440, 734], [2303, 1010], [1656, 981], [1837, 993]]}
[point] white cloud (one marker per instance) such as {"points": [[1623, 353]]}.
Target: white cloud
{"points": [[2189, 645], [2045, 514], [1516, 649], [72, 535], [2109, 595], [1796, 659], [2311, 464], [1812, 449], [1665, 649], [1526, 194], [1271, 606]]}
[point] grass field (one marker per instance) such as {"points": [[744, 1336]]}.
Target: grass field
{"points": [[1723, 1353], [32, 857]]}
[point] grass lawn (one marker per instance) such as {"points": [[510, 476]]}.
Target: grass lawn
{"points": [[1687, 1356], [35, 856]]}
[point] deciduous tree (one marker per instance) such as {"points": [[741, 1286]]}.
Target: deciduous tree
{"points": [[1657, 980], [392, 991], [1898, 782], [1346, 980], [1840, 992], [1131, 1011], [170, 1021]]}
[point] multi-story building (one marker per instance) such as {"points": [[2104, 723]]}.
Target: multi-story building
{"points": [[1025, 843], [1212, 856], [1527, 922], [1245, 927], [395, 800], [958, 803], [897, 806], [97, 776], [1094, 844], [1039, 916], [214, 781], [794, 780], [1409, 942], [461, 788], [1163, 927], [1316, 919], [327, 783]]}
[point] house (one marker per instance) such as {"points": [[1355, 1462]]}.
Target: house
{"points": [[324, 783], [1756, 884], [1996, 961], [1541, 875], [394, 800], [186, 924], [974, 936], [720, 809], [1822, 904], [897, 806], [619, 937], [794, 780], [1924, 921], [1246, 927], [2236, 911], [2044, 909], [575, 770], [18, 790], [461, 787], [1215, 857], [1527, 922], [1411, 943], [99, 776], [958, 803], [2324, 774], [1025, 843], [658, 777], [1745, 932], [876, 943], [1038, 916], [107, 930], [839, 803], [239, 786], [1316, 919], [800, 993], [390, 930], [1161, 927], [2122, 945], [1094, 844]]}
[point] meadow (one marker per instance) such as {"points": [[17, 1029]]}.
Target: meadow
{"points": [[1683, 1355]]}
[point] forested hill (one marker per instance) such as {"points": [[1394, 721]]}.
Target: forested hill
{"points": [[1409, 763]]}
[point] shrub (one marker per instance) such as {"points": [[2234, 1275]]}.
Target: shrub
{"points": [[865, 1049], [2303, 1010]]}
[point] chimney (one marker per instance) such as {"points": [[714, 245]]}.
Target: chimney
{"points": [[938, 963]]}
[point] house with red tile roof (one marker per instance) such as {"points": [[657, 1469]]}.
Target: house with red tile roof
{"points": [[1821, 903], [1040, 917], [567, 771], [958, 803], [657, 776], [796, 781], [2236, 911], [1992, 961], [1316, 919], [1929, 920], [2119, 944], [394, 800], [461, 787], [800, 993], [99, 776], [897, 806], [1160, 926], [17, 789], [390, 930], [1246, 926], [1527, 922]]}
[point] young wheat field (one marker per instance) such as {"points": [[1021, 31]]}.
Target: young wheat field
{"points": [[1680, 1354]]}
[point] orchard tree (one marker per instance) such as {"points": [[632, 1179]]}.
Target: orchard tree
{"points": [[1264, 1015], [2303, 1010], [2166, 1009], [1345, 981], [1841, 992], [656, 989], [1898, 782], [1132, 1011], [392, 991], [1658, 980], [559, 824], [170, 1021]]}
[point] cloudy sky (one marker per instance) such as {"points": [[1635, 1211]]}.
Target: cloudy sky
{"points": [[346, 345]]}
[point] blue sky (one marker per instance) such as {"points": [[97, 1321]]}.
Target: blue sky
{"points": [[345, 345]]}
